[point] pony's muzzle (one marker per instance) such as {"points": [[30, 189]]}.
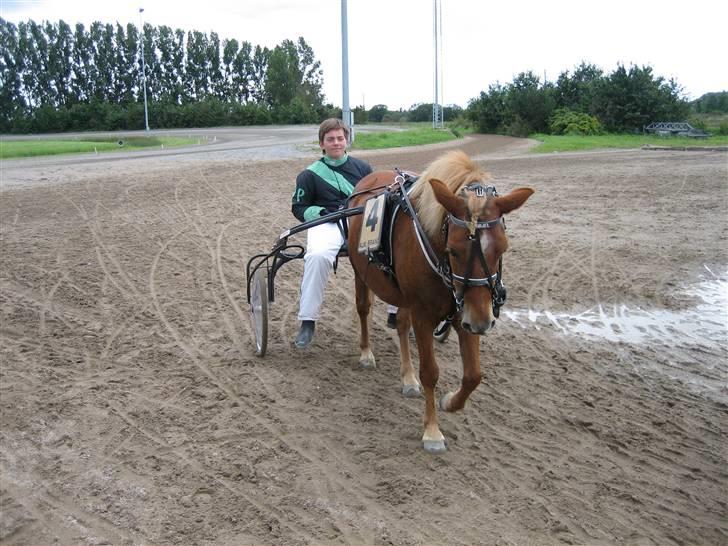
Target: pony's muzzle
{"points": [[480, 328]]}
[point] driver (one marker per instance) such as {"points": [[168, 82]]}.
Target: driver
{"points": [[320, 189]]}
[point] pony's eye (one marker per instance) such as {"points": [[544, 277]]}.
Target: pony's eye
{"points": [[451, 252]]}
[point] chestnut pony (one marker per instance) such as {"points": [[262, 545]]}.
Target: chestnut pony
{"points": [[446, 263]]}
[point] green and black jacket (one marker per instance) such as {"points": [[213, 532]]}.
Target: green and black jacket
{"points": [[325, 184]]}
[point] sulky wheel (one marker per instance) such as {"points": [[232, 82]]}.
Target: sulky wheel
{"points": [[259, 311]]}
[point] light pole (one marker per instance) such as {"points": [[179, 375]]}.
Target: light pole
{"points": [[437, 110], [345, 110], [144, 69]]}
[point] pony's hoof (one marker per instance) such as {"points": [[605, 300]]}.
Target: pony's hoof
{"points": [[444, 401], [368, 364], [434, 446], [411, 391]]}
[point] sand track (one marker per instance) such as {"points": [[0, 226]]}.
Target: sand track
{"points": [[134, 410]]}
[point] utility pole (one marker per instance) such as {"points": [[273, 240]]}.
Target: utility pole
{"points": [[144, 70], [346, 113], [437, 117]]}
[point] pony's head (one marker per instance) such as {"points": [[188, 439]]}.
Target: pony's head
{"points": [[476, 237], [455, 169]]}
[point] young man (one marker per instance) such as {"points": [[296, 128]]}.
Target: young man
{"points": [[320, 189]]}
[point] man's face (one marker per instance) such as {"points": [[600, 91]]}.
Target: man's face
{"points": [[334, 143]]}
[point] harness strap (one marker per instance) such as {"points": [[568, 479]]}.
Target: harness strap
{"points": [[443, 271]]}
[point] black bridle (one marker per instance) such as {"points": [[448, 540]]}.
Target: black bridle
{"points": [[442, 267], [493, 281]]}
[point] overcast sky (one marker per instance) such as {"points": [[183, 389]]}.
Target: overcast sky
{"points": [[484, 42]]}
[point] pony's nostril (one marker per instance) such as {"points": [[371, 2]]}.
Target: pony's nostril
{"points": [[492, 324]]}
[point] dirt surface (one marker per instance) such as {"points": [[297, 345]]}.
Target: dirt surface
{"points": [[134, 410]]}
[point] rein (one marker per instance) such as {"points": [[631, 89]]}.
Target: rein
{"points": [[442, 269], [364, 192]]}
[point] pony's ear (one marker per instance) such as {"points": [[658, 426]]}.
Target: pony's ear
{"points": [[452, 203], [513, 200]]}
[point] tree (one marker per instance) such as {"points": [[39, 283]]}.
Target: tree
{"points": [[11, 100], [229, 54], [489, 111], [311, 74], [153, 68], [282, 75], [171, 68], [576, 92], [196, 67], [712, 103], [293, 82], [258, 74], [102, 60], [628, 100], [360, 115], [377, 112], [451, 111], [127, 80], [420, 112], [214, 73], [36, 78], [242, 74], [521, 107], [81, 55], [530, 104], [54, 77], [59, 61]]}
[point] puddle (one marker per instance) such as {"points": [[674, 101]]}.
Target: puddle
{"points": [[698, 337], [706, 324]]}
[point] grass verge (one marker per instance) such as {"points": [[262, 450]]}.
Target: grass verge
{"points": [[33, 148], [566, 143], [409, 137]]}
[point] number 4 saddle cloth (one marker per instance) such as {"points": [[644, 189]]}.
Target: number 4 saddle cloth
{"points": [[394, 203]]}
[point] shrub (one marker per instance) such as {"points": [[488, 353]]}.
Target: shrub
{"points": [[519, 127], [568, 122], [698, 124]]}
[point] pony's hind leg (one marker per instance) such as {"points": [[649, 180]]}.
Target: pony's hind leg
{"points": [[410, 385], [363, 304], [432, 439]]}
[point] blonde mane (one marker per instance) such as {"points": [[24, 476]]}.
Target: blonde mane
{"points": [[455, 169]]}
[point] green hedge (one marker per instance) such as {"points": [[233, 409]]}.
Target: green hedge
{"points": [[568, 122]]}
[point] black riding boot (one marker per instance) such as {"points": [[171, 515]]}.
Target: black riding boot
{"points": [[392, 321], [305, 334]]}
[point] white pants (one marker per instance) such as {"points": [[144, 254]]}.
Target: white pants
{"points": [[322, 246]]}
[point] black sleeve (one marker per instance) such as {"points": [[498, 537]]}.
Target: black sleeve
{"points": [[364, 169]]}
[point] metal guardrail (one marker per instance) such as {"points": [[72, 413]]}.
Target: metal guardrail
{"points": [[675, 128]]}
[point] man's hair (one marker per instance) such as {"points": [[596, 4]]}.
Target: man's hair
{"points": [[330, 125]]}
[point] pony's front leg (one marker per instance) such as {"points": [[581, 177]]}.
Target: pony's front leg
{"points": [[410, 385], [432, 440], [363, 304], [470, 354]]}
